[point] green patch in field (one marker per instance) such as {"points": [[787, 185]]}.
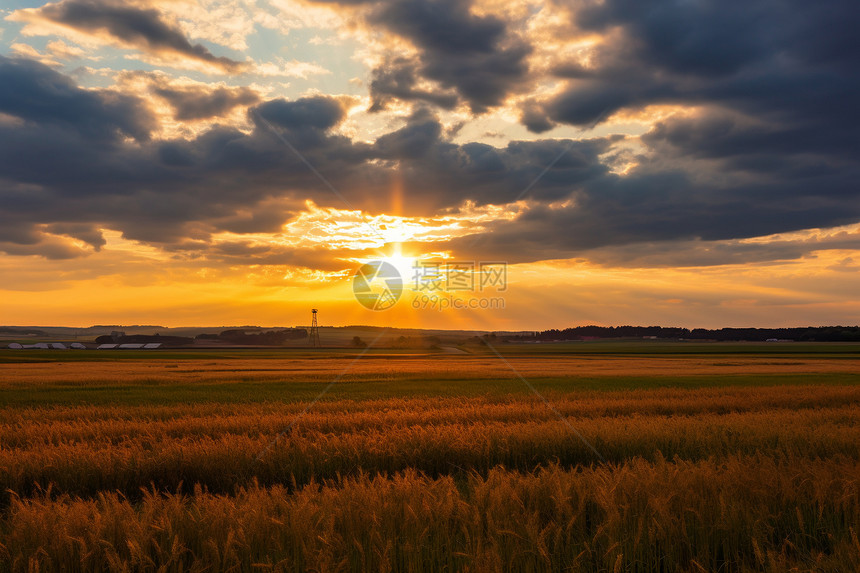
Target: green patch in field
{"points": [[355, 388]]}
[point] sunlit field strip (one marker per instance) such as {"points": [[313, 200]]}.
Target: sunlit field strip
{"points": [[440, 368], [279, 392], [31, 427], [743, 513], [223, 461]]}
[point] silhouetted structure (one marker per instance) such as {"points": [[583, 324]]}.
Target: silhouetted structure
{"points": [[314, 333]]}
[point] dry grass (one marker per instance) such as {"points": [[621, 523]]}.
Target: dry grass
{"points": [[87, 450], [705, 479], [745, 513]]}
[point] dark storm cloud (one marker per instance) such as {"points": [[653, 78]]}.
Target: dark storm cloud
{"points": [[717, 134], [534, 120], [474, 57], [86, 232], [48, 248], [703, 38], [200, 102], [396, 80], [648, 213], [436, 173], [257, 219], [774, 146], [314, 113], [40, 95], [472, 54], [700, 253], [65, 163], [421, 135], [138, 27], [790, 60], [68, 175]]}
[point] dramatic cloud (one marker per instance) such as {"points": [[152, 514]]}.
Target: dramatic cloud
{"points": [[315, 113], [198, 102], [461, 55], [66, 159], [130, 26], [472, 54], [652, 212], [765, 140], [47, 99], [397, 80], [68, 165], [769, 58]]}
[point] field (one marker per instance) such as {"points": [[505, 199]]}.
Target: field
{"points": [[568, 457]]}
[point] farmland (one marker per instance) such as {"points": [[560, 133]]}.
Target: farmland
{"points": [[625, 457]]}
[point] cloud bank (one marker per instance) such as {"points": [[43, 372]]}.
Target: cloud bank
{"points": [[763, 139]]}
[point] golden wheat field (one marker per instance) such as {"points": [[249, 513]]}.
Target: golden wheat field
{"points": [[615, 462]]}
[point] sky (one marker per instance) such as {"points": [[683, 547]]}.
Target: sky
{"points": [[520, 164]]}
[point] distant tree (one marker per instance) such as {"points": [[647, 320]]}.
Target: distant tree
{"points": [[358, 342], [822, 333], [270, 338], [145, 339]]}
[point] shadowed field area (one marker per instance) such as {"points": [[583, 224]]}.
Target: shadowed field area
{"points": [[708, 461]]}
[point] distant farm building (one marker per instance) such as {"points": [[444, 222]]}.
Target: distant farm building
{"points": [[46, 346]]}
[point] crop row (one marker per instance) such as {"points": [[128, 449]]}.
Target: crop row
{"points": [[301, 454], [742, 513], [39, 427]]}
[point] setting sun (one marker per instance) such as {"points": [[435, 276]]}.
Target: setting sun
{"points": [[404, 265]]}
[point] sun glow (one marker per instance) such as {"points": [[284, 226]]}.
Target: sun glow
{"points": [[404, 265], [341, 229]]}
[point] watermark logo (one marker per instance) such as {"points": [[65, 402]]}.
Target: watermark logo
{"points": [[460, 276], [445, 301], [377, 285]]}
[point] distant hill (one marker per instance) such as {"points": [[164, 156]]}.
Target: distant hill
{"points": [[21, 331]]}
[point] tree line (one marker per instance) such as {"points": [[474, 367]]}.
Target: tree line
{"points": [[802, 334]]}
